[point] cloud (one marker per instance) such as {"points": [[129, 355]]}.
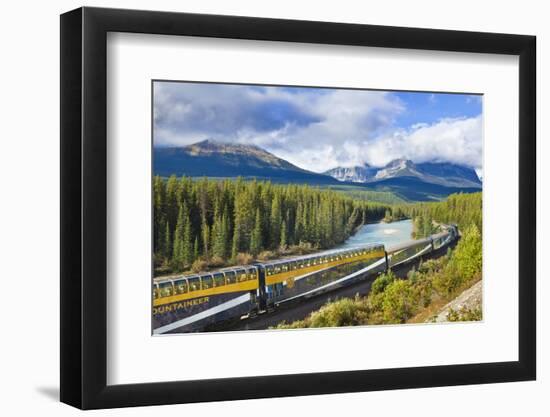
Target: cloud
{"points": [[456, 140], [316, 129]]}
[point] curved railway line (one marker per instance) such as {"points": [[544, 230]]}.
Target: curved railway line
{"points": [[263, 294]]}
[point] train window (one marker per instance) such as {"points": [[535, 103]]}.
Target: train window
{"points": [[241, 275], [252, 274], [194, 284], [206, 282], [285, 267], [166, 289], [269, 270], [231, 277], [219, 279], [181, 286], [155, 291]]}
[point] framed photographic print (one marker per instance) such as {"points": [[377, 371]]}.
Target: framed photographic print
{"points": [[258, 207]]}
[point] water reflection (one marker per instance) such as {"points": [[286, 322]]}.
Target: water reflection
{"points": [[386, 233]]}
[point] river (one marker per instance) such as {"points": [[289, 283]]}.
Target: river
{"points": [[386, 233]]}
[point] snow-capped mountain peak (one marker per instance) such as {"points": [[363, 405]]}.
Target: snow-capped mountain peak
{"points": [[362, 173], [441, 173]]}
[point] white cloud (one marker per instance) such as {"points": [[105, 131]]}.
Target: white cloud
{"points": [[316, 129], [448, 140]]}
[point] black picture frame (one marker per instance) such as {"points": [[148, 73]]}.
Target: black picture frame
{"points": [[84, 207]]}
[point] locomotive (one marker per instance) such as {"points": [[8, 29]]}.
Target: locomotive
{"points": [[189, 303]]}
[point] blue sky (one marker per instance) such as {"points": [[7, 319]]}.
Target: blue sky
{"points": [[431, 107], [320, 128]]}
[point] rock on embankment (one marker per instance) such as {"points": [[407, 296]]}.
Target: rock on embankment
{"points": [[470, 299]]}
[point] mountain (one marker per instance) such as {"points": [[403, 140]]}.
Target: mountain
{"points": [[402, 177], [215, 159], [352, 174], [441, 173], [454, 175], [398, 168]]}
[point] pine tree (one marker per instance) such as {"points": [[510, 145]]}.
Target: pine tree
{"points": [[283, 243], [205, 234], [196, 249], [178, 261], [275, 222], [167, 245], [244, 217], [427, 227], [187, 246], [256, 237], [220, 236]]}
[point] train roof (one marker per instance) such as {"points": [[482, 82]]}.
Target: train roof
{"points": [[277, 262], [324, 253]]}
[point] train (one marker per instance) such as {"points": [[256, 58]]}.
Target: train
{"points": [[191, 303]]}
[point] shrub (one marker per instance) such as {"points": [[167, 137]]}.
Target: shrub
{"points": [[199, 265], [447, 281], [216, 261], [465, 314], [344, 312], [244, 258], [266, 255], [380, 283], [399, 302], [463, 265], [467, 255], [432, 265]]}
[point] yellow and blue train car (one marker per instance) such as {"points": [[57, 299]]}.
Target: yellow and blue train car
{"points": [[193, 302], [307, 276]]}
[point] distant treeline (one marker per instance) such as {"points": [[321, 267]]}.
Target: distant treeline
{"points": [[216, 222], [462, 209]]}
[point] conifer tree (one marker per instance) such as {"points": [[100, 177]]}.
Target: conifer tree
{"points": [[196, 249], [283, 242], [178, 258], [205, 234], [187, 245], [256, 237], [167, 245], [275, 223]]}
